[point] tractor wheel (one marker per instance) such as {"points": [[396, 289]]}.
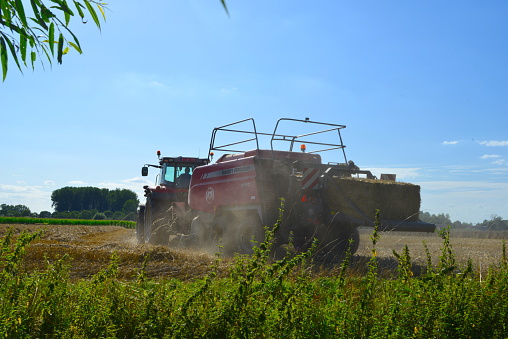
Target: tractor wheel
{"points": [[335, 244], [140, 225], [155, 230], [249, 228], [198, 236]]}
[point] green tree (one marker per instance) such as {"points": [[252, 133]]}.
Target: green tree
{"points": [[118, 215], [45, 214], [442, 219], [130, 206], [495, 223], [42, 29], [86, 214], [99, 216], [118, 197], [14, 210]]}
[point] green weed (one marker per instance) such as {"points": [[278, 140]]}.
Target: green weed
{"points": [[260, 297]]}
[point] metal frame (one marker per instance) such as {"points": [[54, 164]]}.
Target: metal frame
{"points": [[292, 139]]}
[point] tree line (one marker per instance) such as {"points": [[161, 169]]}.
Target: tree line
{"points": [[495, 223], [69, 199], [83, 203]]}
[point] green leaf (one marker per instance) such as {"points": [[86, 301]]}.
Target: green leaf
{"points": [[66, 50], [3, 57], [33, 57], [21, 12], [22, 47], [76, 41], [64, 7], [79, 7], [60, 48], [13, 52], [5, 10], [102, 11], [76, 47], [67, 18], [36, 5], [51, 37], [93, 14], [225, 7], [46, 14]]}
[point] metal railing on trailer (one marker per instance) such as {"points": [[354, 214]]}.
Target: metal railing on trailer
{"points": [[292, 139]]}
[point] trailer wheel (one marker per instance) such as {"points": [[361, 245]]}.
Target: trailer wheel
{"points": [[334, 246], [248, 229], [198, 233]]}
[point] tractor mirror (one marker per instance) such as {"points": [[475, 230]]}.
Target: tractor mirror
{"points": [[144, 171]]}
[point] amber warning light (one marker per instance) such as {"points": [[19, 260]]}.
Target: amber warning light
{"points": [[303, 148]]}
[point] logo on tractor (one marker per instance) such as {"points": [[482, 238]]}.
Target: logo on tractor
{"points": [[209, 195]]}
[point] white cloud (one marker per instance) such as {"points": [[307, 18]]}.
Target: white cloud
{"points": [[455, 142], [20, 182], [137, 180], [494, 143], [49, 183], [490, 156], [32, 196], [499, 162]]}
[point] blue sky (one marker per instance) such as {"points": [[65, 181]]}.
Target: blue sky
{"points": [[421, 86]]}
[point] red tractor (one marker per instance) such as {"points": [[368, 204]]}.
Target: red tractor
{"points": [[166, 211]]}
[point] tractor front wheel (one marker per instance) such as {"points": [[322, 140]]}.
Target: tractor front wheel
{"points": [[155, 230], [140, 225]]}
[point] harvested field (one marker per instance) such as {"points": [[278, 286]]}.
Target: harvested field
{"points": [[484, 248], [91, 247]]}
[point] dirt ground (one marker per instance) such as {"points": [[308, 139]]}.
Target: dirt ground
{"points": [[91, 247]]}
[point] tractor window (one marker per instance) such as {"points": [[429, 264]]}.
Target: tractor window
{"points": [[168, 175]]}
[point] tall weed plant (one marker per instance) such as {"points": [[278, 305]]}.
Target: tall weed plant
{"points": [[260, 297]]}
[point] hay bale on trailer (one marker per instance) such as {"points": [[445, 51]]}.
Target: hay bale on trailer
{"points": [[356, 199]]}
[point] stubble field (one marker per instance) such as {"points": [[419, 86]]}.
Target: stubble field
{"points": [[91, 247]]}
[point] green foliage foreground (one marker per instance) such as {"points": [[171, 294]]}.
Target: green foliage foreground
{"points": [[259, 298]]}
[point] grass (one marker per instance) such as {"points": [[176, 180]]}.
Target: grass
{"points": [[257, 298], [50, 221]]}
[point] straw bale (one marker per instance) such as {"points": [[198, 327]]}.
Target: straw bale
{"points": [[356, 199]]}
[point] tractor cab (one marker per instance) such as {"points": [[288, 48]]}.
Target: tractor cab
{"points": [[166, 206], [175, 172]]}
